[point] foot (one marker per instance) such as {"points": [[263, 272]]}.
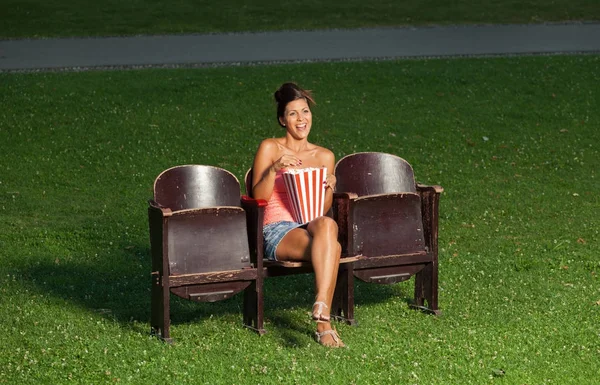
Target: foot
{"points": [[317, 312], [329, 338]]}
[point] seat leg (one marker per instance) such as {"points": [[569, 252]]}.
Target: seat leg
{"points": [[426, 289], [254, 308], [343, 297], [160, 310]]}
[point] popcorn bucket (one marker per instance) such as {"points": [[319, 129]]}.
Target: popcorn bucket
{"points": [[306, 192]]}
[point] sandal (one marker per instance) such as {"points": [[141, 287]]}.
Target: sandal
{"points": [[317, 315], [333, 333]]}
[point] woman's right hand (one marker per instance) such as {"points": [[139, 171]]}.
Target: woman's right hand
{"points": [[285, 161]]}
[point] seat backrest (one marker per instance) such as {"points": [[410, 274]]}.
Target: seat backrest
{"points": [[372, 173], [196, 186]]}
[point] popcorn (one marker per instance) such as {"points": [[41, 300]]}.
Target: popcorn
{"points": [[306, 192]]}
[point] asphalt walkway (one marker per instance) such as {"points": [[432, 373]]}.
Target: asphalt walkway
{"points": [[297, 46]]}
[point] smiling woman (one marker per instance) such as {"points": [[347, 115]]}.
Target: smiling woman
{"points": [[285, 239]]}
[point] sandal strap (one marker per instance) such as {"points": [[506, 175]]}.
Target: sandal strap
{"points": [[331, 332], [318, 314]]}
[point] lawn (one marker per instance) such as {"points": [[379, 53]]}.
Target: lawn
{"points": [[52, 18], [514, 142]]}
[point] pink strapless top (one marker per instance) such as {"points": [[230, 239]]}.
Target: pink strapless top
{"points": [[278, 208]]}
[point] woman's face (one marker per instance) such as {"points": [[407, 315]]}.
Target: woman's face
{"points": [[297, 118]]}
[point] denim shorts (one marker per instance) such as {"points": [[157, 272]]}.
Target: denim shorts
{"points": [[273, 234]]}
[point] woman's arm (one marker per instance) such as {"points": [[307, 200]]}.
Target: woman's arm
{"points": [[263, 173], [267, 162], [328, 160]]}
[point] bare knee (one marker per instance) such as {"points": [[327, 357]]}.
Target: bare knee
{"points": [[323, 226], [324, 231]]}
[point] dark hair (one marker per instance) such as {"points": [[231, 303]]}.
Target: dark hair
{"points": [[289, 92]]}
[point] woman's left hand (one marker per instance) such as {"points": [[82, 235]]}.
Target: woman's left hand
{"points": [[330, 182]]}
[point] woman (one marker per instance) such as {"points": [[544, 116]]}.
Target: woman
{"points": [[286, 240]]}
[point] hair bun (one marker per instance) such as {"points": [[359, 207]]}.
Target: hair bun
{"points": [[277, 95]]}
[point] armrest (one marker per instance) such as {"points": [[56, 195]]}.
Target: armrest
{"points": [[156, 219], [255, 211], [435, 188], [341, 209], [155, 206], [430, 198], [344, 195], [251, 202]]}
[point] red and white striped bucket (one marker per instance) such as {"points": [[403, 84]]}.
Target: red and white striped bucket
{"points": [[306, 192]]}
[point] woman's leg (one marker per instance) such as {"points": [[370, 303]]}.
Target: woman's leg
{"points": [[318, 244]]}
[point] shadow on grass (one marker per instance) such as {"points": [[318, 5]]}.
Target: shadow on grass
{"points": [[117, 286], [113, 285], [288, 329], [289, 300]]}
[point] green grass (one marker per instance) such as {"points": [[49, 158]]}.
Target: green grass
{"points": [[514, 141], [19, 18]]}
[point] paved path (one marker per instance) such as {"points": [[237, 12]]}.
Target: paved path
{"points": [[292, 46]]}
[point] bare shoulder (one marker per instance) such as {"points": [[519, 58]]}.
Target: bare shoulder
{"points": [[269, 144], [322, 152], [325, 156], [269, 147]]}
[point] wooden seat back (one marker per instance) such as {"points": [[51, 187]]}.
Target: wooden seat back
{"points": [[207, 230], [196, 186], [386, 216], [373, 173]]}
